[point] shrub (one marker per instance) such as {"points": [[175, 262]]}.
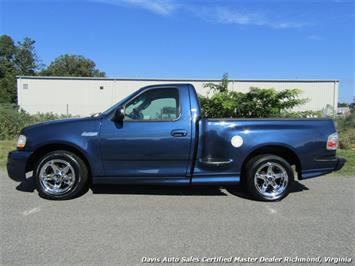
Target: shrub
{"points": [[345, 140], [346, 128], [253, 104], [13, 120], [303, 114], [257, 103]]}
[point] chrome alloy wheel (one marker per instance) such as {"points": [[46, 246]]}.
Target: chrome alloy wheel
{"points": [[57, 177], [271, 180]]}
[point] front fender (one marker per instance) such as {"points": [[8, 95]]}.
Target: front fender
{"points": [[88, 150], [80, 135]]}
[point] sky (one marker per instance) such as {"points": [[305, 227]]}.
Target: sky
{"points": [[202, 39]]}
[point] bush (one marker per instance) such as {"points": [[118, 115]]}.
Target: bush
{"points": [[346, 128], [257, 103], [303, 114], [253, 104], [13, 120], [346, 139]]}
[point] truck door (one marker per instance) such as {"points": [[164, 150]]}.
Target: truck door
{"points": [[154, 138]]}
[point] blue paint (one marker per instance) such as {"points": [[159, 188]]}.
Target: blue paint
{"points": [[200, 153]]}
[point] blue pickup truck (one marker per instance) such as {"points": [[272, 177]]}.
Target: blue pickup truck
{"points": [[157, 136]]}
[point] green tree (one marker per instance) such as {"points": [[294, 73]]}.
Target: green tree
{"points": [[20, 59], [219, 87], [72, 66], [352, 108], [7, 48], [26, 59], [343, 105], [7, 70], [255, 103]]}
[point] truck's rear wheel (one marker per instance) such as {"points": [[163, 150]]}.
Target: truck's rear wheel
{"points": [[60, 175], [269, 177]]}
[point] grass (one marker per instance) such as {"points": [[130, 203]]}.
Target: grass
{"points": [[349, 167], [347, 170]]}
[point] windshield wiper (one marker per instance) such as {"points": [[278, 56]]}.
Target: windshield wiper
{"points": [[96, 114]]}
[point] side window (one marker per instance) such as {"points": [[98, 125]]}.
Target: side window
{"points": [[155, 104]]}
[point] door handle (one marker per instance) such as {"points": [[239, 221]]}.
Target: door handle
{"points": [[178, 133]]}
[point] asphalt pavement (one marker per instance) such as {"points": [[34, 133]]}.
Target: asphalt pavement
{"points": [[129, 225]]}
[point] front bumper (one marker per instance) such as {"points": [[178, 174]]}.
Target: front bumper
{"points": [[16, 164]]}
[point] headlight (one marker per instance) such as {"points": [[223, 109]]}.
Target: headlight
{"points": [[21, 141]]}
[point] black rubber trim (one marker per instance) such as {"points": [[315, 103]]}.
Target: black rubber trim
{"points": [[340, 164]]}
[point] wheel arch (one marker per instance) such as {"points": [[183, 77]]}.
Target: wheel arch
{"points": [[44, 149], [279, 150]]}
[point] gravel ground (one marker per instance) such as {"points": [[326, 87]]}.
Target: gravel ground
{"points": [[120, 225]]}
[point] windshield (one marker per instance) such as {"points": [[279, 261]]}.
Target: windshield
{"points": [[113, 107]]}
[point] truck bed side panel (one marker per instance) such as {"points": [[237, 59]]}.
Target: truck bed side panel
{"points": [[306, 138]]}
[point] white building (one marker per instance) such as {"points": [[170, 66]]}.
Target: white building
{"points": [[85, 96]]}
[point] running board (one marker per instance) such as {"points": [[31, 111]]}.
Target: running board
{"points": [[218, 179]]}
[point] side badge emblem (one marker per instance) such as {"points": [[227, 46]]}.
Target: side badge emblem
{"points": [[89, 134], [237, 141]]}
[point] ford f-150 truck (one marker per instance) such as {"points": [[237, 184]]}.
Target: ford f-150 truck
{"points": [[157, 136]]}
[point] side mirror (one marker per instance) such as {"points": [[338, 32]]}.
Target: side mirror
{"points": [[119, 115]]}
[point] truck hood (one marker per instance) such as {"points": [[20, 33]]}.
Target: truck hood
{"points": [[63, 125], [55, 122]]}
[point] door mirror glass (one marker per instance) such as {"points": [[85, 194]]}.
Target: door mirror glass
{"points": [[119, 115]]}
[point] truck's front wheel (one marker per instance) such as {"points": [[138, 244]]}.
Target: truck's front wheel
{"points": [[60, 175], [269, 177]]}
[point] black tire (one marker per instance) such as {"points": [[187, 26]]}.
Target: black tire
{"points": [[79, 179], [256, 164]]}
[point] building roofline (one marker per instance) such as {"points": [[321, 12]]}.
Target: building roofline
{"points": [[175, 79]]}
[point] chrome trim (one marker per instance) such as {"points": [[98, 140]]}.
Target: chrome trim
{"points": [[271, 180], [57, 177], [215, 163]]}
